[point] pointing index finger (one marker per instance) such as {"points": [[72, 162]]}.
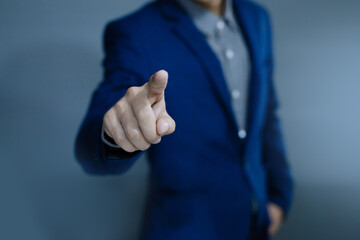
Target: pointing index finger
{"points": [[157, 83]]}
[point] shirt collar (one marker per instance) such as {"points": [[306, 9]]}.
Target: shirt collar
{"points": [[205, 20]]}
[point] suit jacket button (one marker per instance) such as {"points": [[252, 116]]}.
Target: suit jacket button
{"points": [[242, 134]]}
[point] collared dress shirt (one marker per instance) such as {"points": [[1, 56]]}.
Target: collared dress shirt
{"points": [[225, 38]]}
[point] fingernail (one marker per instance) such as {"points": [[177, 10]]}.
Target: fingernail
{"points": [[157, 141], [164, 128]]}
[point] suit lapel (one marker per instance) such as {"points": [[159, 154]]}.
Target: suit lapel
{"points": [[187, 32], [192, 37]]}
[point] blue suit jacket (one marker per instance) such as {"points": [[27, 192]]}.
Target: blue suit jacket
{"points": [[204, 154]]}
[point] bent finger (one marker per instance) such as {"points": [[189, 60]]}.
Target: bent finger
{"points": [[132, 130], [165, 125], [146, 118]]}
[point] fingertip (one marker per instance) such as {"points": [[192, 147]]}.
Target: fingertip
{"points": [[158, 82], [163, 127], [162, 73]]}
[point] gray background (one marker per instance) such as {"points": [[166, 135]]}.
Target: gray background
{"points": [[50, 53]]}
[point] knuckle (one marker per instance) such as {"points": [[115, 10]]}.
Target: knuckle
{"points": [[131, 92], [156, 140], [119, 141], [109, 114], [119, 106], [128, 148], [106, 118], [109, 124], [152, 138], [133, 134], [143, 115], [143, 148], [122, 142]]}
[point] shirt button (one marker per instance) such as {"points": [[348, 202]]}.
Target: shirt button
{"points": [[235, 94], [242, 134], [220, 25], [229, 54]]}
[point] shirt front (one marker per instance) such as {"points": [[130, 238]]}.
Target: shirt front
{"points": [[224, 36]]}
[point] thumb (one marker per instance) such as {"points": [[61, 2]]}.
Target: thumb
{"points": [[165, 125], [157, 83]]}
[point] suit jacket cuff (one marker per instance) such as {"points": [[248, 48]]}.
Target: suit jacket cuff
{"points": [[281, 202], [109, 142]]}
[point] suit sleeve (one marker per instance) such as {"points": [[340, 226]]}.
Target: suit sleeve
{"points": [[279, 177], [124, 66]]}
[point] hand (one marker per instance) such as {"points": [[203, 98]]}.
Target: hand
{"points": [[140, 117], [276, 215]]}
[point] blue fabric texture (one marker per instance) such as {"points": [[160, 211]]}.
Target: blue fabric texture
{"points": [[203, 176]]}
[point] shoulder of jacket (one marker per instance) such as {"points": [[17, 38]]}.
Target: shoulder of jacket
{"points": [[140, 19], [257, 9]]}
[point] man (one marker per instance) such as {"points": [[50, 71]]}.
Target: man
{"points": [[222, 174]]}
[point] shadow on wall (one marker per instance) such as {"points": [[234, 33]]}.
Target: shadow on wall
{"points": [[43, 98], [323, 212]]}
